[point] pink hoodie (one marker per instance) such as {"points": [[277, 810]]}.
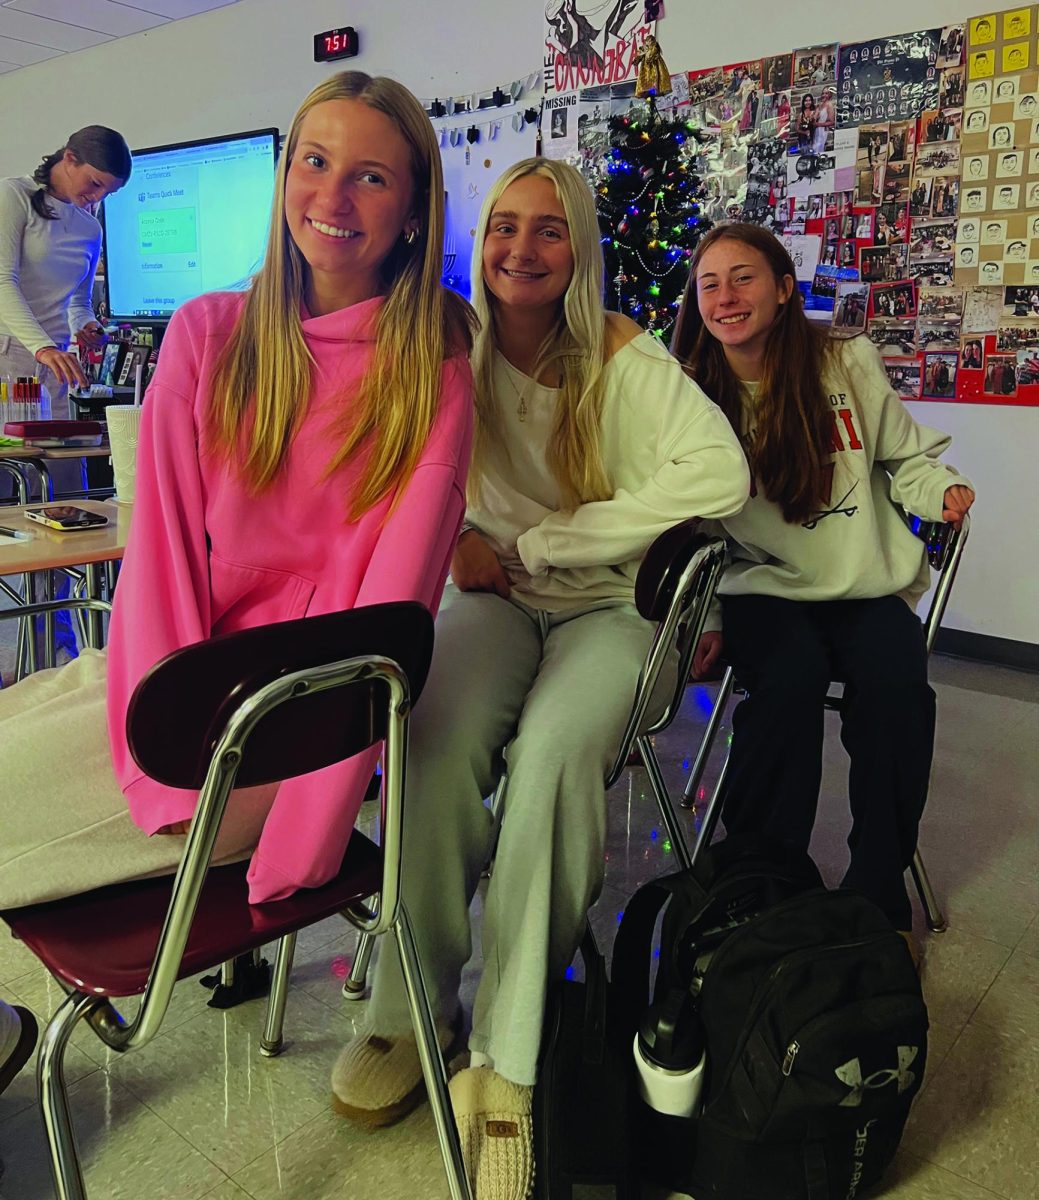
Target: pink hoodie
{"points": [[206, 556]]}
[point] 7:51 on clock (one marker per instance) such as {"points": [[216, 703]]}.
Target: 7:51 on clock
{"points": [[335, 43]]}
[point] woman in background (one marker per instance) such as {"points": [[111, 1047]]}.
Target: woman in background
{"points": [[50, 242]]}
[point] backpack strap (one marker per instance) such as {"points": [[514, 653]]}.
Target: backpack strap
{"points": [[632, 948], [593, 1031]]}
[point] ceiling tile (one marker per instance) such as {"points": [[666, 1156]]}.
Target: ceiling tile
{"points": [[24, 54], [6, 66], [102, 16], [26, 27], [175, 9]]}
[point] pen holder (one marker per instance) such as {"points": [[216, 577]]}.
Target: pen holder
{"points": [[124, 427]]}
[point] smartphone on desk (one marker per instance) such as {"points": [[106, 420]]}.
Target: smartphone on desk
{"points": [[66, 517]]}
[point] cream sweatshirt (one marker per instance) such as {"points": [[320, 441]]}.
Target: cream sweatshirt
{"points": [[857, 546], [668, 451]]}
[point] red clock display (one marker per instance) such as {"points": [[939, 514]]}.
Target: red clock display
{"points": [[335, 43]]}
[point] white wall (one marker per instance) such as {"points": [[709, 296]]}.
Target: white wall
{"points": [[249, 64]]}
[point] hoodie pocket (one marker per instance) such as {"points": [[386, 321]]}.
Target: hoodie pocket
{"points": [[246, 596]]}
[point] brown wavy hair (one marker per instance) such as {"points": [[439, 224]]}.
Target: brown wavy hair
{"points": [[100, 147], [793, 436]]}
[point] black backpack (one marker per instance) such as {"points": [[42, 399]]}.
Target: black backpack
{"points": [[816, 1029]]}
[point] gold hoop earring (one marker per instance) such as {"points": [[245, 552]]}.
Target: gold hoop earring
{"points": [[410, 236]]}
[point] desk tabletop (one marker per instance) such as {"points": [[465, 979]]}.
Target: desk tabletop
{"points": [[56, 452], [48, 548]]}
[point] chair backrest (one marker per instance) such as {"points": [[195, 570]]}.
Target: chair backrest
{"points": [[662, 565], [180, 708]]}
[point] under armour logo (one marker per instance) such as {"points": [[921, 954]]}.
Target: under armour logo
{"points": [[851, 1074]]}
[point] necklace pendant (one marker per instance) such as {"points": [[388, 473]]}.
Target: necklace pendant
{"points": [[521, 411]]}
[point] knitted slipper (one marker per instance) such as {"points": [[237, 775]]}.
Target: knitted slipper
{"points": [[495, 1130], [23, 1048], [377, 1080]]}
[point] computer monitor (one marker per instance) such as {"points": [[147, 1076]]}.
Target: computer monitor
{"points": [[192, 219]]}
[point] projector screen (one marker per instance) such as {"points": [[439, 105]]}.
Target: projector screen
{"points": [[192, 219]]}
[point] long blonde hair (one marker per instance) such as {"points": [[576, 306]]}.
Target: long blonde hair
{"points": [[262, 380], [577, 343]]}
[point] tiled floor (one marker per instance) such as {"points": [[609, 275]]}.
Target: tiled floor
{"points": [[199, 1113]]}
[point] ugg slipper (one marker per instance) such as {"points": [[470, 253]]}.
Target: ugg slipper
{"points": [[377, 1080], [494, 1127]]}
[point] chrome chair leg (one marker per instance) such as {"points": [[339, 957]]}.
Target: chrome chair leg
{"points": [[54, 1103], [710, 734], [356, 983], [936, 921], [710, 817], [272, 1043], [667, 810], [433, 1070]]}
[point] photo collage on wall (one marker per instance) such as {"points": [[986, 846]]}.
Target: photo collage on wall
{"points": [[901, 173], [861, 158]]}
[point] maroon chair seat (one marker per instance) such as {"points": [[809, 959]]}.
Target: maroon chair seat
{"points": [[262, 705], [104, 942]]}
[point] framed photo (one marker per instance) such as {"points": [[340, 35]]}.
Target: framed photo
{"points": [[1000, 375], [849, 310], [111, 362], [940, 375], [971, 358], [894, 299], [906, 376]]}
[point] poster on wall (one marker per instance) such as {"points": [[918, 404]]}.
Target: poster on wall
{"points": [[888, 79], [592, 44], [559, 126]]}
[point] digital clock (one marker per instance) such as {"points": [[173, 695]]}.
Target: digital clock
{"points": [[335, 43]]}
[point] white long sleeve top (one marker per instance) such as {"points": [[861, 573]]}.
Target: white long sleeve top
{"points": [[46, 267]]}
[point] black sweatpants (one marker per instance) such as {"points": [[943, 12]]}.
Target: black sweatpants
{"points": [[785, 653]]}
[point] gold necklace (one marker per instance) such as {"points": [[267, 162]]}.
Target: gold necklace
{"points": [[521, 407]]}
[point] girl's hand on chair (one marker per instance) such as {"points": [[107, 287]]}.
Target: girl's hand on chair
{"points": [[956, 504], [476, 568], [707, 654]]}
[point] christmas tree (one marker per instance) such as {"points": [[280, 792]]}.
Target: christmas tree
{"points": [[649, 215]]}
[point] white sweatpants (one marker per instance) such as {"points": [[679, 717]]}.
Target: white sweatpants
{"points": [[556, 689]]}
